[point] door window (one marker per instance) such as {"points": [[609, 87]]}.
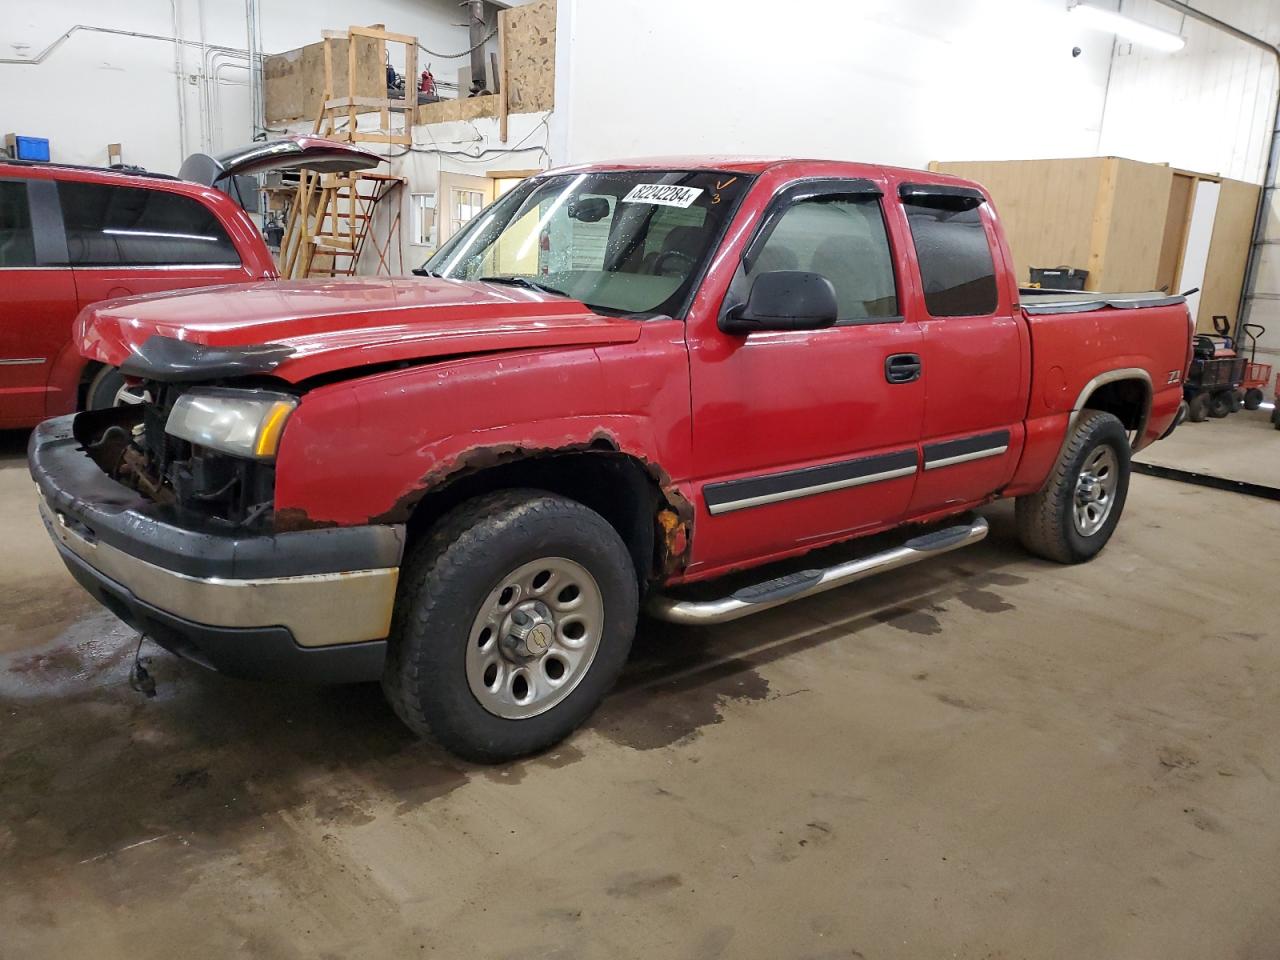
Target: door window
{"points": [[842, 238], [955, 259], [17, 243], [134, 227]]}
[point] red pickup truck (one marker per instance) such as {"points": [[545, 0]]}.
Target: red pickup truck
{"points": [[617, 384]]}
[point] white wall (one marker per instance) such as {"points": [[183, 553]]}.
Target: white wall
{"points": [[96, 89], [896, 81]]}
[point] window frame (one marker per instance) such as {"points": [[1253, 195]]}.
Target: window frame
{"points": [[416, 210], [799, 191], [128, 265], [973, 199]]}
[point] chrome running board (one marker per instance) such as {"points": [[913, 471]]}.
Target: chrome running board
{"points": [[805, 583]]}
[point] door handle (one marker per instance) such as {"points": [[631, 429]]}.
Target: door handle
{"points": [[902, 367]]}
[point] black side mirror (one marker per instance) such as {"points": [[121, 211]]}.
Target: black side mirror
{"points": [[785, 300]]}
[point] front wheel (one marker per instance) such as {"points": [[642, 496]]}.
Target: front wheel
{"points": [[1071, 519], [513, 619], [1253, 398]]}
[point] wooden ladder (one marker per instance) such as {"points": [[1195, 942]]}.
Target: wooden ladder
{"points": [[331, 214]]}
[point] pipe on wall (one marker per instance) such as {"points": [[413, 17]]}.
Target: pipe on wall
{"points": [[1247, 292]]}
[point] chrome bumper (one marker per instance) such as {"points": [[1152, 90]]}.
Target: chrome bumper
{"points": [[317, 609]]}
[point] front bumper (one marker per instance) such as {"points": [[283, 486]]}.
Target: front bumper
{"points": [[310, 604]]}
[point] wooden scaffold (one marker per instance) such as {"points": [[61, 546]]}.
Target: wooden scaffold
{"points": [[331, 216]]}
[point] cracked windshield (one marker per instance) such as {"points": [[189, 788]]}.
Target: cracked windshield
{"points": [[626, 242]]}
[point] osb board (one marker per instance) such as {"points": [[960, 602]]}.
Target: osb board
{"points": [[1133, 201], [1045, 206], [531, 57], [1228, 252], [468, 108], [293, 81]]}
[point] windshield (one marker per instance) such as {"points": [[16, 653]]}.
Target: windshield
{"points": [[629, 241]]}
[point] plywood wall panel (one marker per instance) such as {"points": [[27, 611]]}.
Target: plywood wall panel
{"points": [[1133, 225], [531, 57], [1228, 252], [293, 81]]}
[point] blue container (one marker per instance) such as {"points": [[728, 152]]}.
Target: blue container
{"points": [[31, 148]]}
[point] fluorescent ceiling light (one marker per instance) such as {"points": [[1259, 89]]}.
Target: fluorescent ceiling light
{"points": [[1111, 22]]}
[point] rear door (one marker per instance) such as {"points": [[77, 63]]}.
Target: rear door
{"points": [[124, 240], [973, 347], [37, 297]]}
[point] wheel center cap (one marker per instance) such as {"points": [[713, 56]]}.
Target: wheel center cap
{"points": [[1089, 489], [530, 632]]}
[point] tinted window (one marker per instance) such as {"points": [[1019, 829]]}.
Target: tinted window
{"points": [[17, 245], [842, 238], [955, 260], [130, 226]]}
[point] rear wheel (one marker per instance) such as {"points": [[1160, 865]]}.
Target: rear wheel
{"points": [[1220, 404], [513, 619], [1253, 398], [1072, 518], [1198, 408]]}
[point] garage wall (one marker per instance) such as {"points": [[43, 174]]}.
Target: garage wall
{"points": [[897, 81], [96, 89], [1208, 107]]}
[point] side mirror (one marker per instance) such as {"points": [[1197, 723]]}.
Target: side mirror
{"points": [[588, 209], [785, 300]]}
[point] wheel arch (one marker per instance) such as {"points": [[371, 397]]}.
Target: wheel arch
{"points": [[1125, 393], [634, 497]]}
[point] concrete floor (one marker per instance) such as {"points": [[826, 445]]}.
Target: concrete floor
{"points": [[984, 757], [1244, 446]]}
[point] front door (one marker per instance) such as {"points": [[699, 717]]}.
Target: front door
{"points": [[803, 437], [38, 302]]}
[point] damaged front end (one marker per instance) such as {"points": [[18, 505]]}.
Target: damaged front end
{"points": [[203, 439]]}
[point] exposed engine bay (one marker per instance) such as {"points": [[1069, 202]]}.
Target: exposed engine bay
{"points": [[201, 485]]}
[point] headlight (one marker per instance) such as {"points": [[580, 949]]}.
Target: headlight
{"points": [[245, 423]]}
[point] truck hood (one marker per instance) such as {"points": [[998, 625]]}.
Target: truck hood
{"points": [[314, 327]]}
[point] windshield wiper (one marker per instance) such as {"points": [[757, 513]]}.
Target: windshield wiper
{"points": [[523, 282], [424, 272]]}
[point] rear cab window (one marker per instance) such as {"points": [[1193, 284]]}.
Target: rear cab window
{"points": [[956, 265], [109, 226]]}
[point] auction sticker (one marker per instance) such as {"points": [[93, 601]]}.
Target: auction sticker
{"points": [[664, 194]]}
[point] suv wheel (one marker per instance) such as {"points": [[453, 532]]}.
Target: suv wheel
{"points": [[103, 389], [513, 619], [1073, 517]]}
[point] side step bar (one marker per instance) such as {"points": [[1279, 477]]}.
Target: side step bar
{"points": [[805, 583]]}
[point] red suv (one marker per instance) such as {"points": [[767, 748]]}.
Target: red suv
{"points": [[72, 236]]}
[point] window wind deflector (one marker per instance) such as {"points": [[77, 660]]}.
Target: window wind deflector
{"points": [[941, 196]]}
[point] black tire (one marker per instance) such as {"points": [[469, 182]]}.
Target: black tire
{"points": [[1220, 404], [1045, 519], [103, 389], [448, 576], [1253, 398], [1236, 398], [1198, 408], [1275, 416]]}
